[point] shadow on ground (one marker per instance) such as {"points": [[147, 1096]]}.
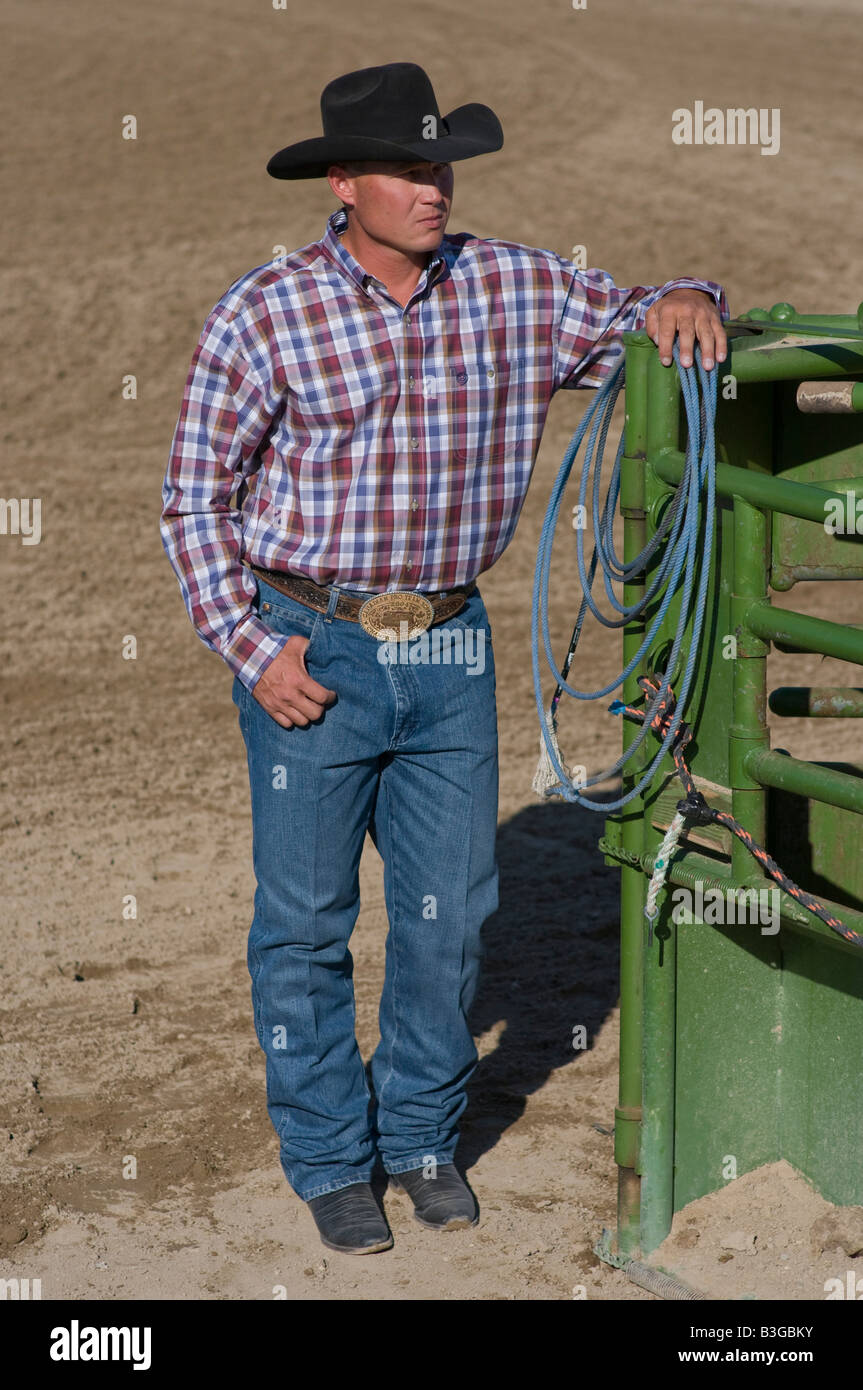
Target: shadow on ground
{"points": [[551, 962]]}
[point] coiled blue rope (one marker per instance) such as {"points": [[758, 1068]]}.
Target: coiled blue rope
{"points": [[681, 528]]}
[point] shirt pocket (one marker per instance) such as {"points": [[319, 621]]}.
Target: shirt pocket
{"points": [[486, 400]]}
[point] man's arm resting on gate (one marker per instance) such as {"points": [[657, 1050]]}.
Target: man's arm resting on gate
{"points": [[595, 313]]}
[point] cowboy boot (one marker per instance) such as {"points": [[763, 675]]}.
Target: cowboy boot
{"points": [[350, 1220], [442, 1202]]}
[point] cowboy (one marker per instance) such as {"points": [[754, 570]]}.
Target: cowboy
{"points": [[355, 442]]}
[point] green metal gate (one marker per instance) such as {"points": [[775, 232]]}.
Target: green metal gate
{"points": [[742, 1045]]}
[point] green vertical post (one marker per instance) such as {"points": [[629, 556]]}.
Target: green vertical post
{"points": [[748, 730], [628, 1112], [660, 960]]}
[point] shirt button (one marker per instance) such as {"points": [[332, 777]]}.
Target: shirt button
{"points": [[461, 378], [412, 380], [414, 504], [409, 565], [490, 374], [415, 443]]}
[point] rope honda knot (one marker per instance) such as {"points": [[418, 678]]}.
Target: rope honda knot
{"points": [[694, 808]]}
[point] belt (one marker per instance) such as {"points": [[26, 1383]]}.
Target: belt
{"points": [[382, 615]]}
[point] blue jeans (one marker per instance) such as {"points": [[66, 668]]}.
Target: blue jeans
{"points": [[408, 752]]}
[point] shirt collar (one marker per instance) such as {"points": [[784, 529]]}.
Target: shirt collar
{"points": [[332, 243]]}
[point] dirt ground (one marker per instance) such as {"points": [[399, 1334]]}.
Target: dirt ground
{"points": [[134, 1037]]}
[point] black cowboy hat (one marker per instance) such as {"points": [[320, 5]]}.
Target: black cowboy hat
{"points": [[390, 113]]}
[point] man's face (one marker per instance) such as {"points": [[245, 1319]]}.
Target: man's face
{"points": [[405, 205]]}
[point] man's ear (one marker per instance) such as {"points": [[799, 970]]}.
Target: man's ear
{"points": [[341, 184]]}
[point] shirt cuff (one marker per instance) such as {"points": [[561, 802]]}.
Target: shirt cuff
{"points": [[708, 286], [250, 649]]}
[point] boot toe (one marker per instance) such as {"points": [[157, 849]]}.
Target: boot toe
{"points": [[441, 1203], [351, 1221]]}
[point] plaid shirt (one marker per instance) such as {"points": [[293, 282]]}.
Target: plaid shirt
{"points": [[328, 431]]}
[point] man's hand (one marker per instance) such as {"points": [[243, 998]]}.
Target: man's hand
{"points": [[691, 314], [286, 690]]}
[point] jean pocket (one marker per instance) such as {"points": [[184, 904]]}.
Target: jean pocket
{"points": [[471, 632], [286, 616], [315, 634], [473, 615]]}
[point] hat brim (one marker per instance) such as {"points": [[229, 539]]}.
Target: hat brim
{"points": [[473, 129]]}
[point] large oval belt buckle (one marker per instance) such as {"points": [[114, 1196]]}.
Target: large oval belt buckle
{"points": [[392, 617]]}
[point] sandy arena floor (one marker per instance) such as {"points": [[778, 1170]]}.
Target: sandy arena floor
{"points": [[134, 1037]]}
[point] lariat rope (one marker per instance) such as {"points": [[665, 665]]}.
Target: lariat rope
{"points": [[693, 808], [678, 568], [680, 524]]}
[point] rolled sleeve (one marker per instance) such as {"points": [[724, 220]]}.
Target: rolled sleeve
{"points": [[595, 313]]}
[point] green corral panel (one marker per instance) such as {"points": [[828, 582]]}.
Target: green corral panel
{"points": [[769, 1046], [824, 843], [729, 1032], [804, 550], [821, 1092], [740, 1046]]}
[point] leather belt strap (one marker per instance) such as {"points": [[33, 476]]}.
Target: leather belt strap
{"points": [[400, 605]]}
